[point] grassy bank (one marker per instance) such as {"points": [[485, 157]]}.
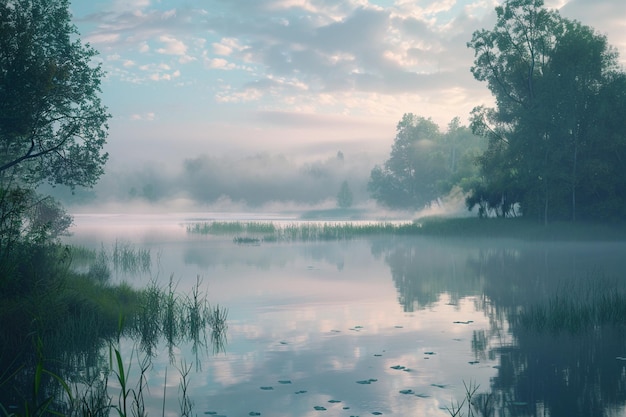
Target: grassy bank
{"points": [[519, 228], [57, 322], [516, 228]]}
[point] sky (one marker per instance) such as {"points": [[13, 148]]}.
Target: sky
{"points": [[304, 78]]}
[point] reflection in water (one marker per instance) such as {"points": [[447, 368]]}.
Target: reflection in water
{"points": [[416, 315]]}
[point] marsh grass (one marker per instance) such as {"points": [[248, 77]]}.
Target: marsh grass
{"points": [[71, 317], [130, 259], [254, 232], [575, 309]]}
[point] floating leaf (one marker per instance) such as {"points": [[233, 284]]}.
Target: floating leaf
{"points": [[254, 413], [429, 353], [334, 401], [377, 413], [407, 391], [285, 381], [397, 367], [300, 392], [377, 354], [364, 382], [473, 362], [319, 408], [267, 388]]}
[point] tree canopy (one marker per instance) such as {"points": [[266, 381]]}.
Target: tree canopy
{"points": [[52, 122], [424, 163], [557, 135]]}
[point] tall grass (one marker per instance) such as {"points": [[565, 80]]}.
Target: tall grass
{"points": [[55, 322], [574, 307], [255, 232]]}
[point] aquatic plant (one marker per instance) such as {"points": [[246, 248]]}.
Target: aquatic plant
{"points": [[256, 232], [572, 312], [129, 259]]}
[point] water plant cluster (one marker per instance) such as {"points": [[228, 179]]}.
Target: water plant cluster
{"points": [[257, 232], [572, 313], [59, 324]]}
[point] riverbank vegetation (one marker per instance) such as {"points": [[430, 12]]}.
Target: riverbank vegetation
{"points": [[467, 227]]}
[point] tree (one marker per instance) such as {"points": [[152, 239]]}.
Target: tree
{"points": [[52, 122], [344, 196], [424, 163], [549, 77]]}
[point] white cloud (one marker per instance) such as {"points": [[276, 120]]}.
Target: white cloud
{"points": [[173, 46], [219, 63], [149, 116]]}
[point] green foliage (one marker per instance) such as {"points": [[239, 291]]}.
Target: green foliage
{"points": [[424, 163], [556, 136], [52, 123]]}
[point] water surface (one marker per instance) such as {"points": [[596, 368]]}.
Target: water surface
{"points": [[391, 325]]}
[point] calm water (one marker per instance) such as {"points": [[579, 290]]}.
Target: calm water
{"points": [[416, 318]]}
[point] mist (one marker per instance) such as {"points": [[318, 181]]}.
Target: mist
{"points": [[261, 182]]}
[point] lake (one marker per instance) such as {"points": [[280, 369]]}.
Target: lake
{"points": [[386, 325]]}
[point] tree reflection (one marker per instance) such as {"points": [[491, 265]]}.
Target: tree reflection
{"points": [[572, 367]]}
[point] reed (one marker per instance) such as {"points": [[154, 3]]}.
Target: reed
{"points": [[574, 313], [129, 259], [301, 231]]}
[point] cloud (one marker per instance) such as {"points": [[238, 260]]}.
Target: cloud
{"points": [[173, 46], [149, 116]]}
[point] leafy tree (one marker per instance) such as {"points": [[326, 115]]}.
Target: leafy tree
{"points": [[552, 79], [52, 122], [424, 163], [344, 196]]}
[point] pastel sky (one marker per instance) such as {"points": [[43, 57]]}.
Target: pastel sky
{"points": [[297, 77]]}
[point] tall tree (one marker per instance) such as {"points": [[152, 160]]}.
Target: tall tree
{"points": [[52, 122], [547, 75], [424, 163]]}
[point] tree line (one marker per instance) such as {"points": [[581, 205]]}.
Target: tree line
{"points": [[555, 142]]}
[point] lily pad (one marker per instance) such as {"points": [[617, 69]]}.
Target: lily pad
{"points": [[267, 388], [377, 413], [473, 362], [284, 381], [254, 413], [429, 353], [319, 408], [364, 382], [334, 401], [300, 392], [397, 367], [407, 391]]}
